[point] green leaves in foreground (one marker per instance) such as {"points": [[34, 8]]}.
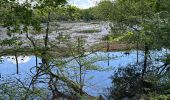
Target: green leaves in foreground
{"points": [[11, 42]]}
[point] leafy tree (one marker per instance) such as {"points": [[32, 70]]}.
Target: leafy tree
{"points": [[138, 22], [89, 14], [73, 13], [46, 7], [141, 22], [104, 10]]}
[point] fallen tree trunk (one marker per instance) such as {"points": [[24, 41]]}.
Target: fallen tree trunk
{"points": [[72, 85]]}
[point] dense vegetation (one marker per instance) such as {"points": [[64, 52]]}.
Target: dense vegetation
{"points": [[143, 23], [146, 24]]}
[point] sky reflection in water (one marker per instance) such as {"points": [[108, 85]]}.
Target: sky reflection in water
{"points": [[94, 86]]}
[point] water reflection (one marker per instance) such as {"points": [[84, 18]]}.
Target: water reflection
{"points": [[96, 80], [21, 59], [8, 66]]}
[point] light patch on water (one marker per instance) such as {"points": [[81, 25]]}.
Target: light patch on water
{"points": [[21, 59]]}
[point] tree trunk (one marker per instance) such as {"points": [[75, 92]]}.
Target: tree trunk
{"points": [[36, 58], [47, 31], [145, 60], [79, 61], [32, 41], [17, 65], [108, 48], [137, 59], [34, 45]]}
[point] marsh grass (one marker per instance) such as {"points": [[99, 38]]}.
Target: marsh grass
{"points": [[64, 28], [94, 22], [89, 31]]}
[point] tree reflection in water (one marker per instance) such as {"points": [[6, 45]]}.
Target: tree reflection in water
{"points": [[129, 83], [55, 77]]}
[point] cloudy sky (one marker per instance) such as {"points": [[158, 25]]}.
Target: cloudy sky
{"points": [[83, 3]]}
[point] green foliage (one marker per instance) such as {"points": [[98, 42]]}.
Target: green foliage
{"points": [[135, 21], [145, 22], [89, 14], [67, 13], [73, 13], [128, 83], [159, 97], [12, 91], [166, 59], [11, 42], [50, 3], [149, 25], [104, 10]]}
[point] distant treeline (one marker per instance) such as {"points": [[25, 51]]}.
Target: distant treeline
{"points": [[72, 13]]}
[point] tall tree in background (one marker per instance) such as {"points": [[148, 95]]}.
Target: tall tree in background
{"points": [[104, 10]]}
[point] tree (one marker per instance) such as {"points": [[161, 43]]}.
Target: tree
{"points": [[46, 7], [138, 22], [104, 10], [128, 83], [141, 22], [89, 14]]}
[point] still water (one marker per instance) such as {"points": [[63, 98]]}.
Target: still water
{"points": [[96, 81]]}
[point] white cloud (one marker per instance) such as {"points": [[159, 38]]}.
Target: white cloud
{"points": [[21, 59], [84, 3]]}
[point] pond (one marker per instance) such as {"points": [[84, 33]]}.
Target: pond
{"points": [[96, 81]]}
